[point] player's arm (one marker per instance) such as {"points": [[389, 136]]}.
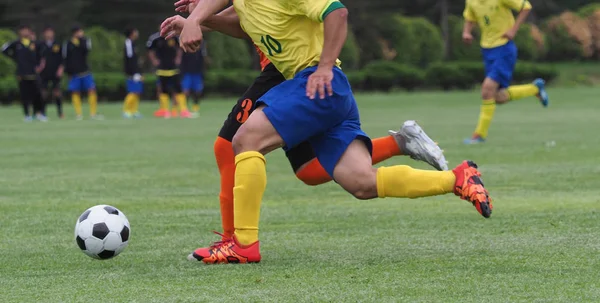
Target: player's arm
{"points": [[151, 46], [206, 9], [226, 22], [521, 6], [8, 49], [335, 26], [470, 21]]}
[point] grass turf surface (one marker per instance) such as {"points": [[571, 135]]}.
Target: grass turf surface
{"points": [[318, 244]]}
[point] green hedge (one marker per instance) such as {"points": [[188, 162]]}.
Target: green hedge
{"points": [[458, 50], [228, 53], [350, 54], [7, 66], [107, 50]]}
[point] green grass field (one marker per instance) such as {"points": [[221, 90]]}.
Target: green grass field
{"points": [[318, 244]]}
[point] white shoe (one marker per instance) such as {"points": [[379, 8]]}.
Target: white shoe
{"points": [[414, 142], [41, 118], [97, 117], [79, 117], [28, 119]]}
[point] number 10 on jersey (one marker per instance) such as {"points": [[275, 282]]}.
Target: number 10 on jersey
{"points": [[272, 45]]}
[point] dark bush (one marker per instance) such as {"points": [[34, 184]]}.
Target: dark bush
{"points": [[398, 33], [107, 50], [385, 75], [448, 76], [7, 66], [356, 79], [458, 50], [350, 54], [428, 38], [227, 53], [528, 48]]}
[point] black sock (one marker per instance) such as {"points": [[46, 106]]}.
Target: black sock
{"points": [[58, 101]]}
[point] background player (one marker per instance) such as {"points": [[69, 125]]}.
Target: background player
{"points": [[134, 77], [28, 58], [52, 73], [192, 67], [165, 55], [75, 52], [498, 29]]}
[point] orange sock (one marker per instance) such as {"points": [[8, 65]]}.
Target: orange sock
{"points": [[314, 174], [385, 148], [226, 163]]}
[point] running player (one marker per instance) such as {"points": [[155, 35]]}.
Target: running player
{"points": [[192, 67], [411, 140], [28, 58], [52, 73], [314, 104], [75, 53], [165, 55], [134, 77], [498, 29]]}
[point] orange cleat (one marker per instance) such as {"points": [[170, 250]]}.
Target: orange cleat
{"points": [[470, 187], [174, 113], [228, 250], [162, 113]]}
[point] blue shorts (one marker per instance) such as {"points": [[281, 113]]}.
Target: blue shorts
{"points": [[193, 83], [135, 87], [329, 125], [82, 83], [500, 63]]}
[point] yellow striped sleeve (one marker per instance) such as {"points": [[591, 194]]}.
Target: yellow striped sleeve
{"points": [[517, 5]]}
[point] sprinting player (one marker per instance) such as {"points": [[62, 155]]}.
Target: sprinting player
{"points": [[134, 77], [52, 73], [192, 67], [75, 53], [314, 104], [30, 63], [498, 29], [411, 140], [165, 55]]}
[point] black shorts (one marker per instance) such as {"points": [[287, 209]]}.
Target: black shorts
{"points": [[30, 91], [171, 84], [268, 78], [50, 83]]}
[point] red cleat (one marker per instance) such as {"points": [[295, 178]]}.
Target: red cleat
{"points": [[174, 113], [228, 250], [162, 113], [470, 187]]}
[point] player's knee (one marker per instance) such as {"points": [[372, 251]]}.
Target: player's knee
{"points": [[243, 141], [365, 186]]}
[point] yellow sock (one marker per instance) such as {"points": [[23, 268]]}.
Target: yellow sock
{"points": [[163, 100], [93, 101], [522, 91], [196, 108], [76, 99], [250, 183], [403, 181], [135, 104], [485, 117], [181, 102], [128, 104]]}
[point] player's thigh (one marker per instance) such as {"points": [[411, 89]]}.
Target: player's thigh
{"points": [[88, 83], [244, 106], [75, 84], [257, 134], [300, 155], [56, 87], [176, 84], [354, 171], [199, 83], [163, 84]]}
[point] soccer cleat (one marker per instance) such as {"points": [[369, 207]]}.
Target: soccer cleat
{"points": [[41, 118], [127, 115], [469, 187], [228, 250], [174, 113], [28, 119], [162, 113], [542, 95], [137, 115], [97, 117], [79, 117], [476, 139], [414, 142]]}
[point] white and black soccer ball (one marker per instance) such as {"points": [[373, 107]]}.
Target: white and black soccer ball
{"points": [[102, 232]]}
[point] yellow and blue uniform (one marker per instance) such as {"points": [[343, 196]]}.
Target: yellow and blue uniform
{"points": [[132, 68], [290, 33], [192, 68], [75, 53], [495, 18]]}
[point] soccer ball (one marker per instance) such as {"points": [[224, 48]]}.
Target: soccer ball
{"points": [[102, 232]]}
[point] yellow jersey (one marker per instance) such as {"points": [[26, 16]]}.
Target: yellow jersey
{"points": [[494, 18], [288, 32]]}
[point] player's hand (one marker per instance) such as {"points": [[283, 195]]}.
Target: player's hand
{"points": [[320, 83], [172, 27], [510, 34], [467, 38], [191, 37], [185, 6]]}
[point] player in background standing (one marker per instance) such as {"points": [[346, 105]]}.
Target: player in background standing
{"points": [[30, 63], [52, 73], [498, 29], [134, 77], [75, 53], [165, 55], [192, 67]]}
